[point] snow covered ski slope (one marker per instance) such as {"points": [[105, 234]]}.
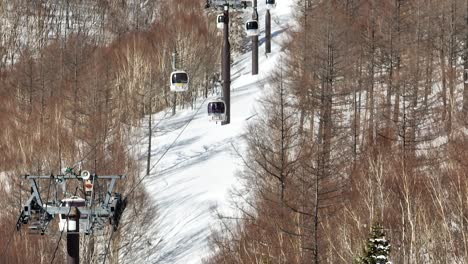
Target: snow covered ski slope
{"points": [[195, 175]]}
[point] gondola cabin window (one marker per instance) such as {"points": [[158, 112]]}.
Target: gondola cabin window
{"points": [[251, 27], [217, 110]]}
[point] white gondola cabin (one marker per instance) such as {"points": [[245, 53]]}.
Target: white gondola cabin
{"points": [[217, 110], [270, 4], [251, 27], [179, 81], [67, 223], [220, 21]]}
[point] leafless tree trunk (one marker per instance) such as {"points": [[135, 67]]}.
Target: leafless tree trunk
{"points": [[396, 108], [465, 67]]}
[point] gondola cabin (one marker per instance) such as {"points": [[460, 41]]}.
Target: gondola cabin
{"points": [[270, 4], [217, 110], [67, 222], [251, 27], [179, 81], [220, 21]]}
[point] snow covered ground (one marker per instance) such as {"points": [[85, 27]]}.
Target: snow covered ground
{"points": [[195, 175]]}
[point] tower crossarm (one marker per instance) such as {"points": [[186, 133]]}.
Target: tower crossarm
{"points": [[38, 213]]}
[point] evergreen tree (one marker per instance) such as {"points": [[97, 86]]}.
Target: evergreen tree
{"points": [[377, 248]]}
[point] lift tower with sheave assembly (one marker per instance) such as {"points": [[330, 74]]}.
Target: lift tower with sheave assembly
{"points": [[76, 214]]}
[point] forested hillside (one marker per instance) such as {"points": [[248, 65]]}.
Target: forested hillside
{"points": [[75, 78], [358, 148], [365, 124]]}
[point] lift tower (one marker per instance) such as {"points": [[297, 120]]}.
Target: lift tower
{"points": [[270, 4], [99, 207], [226, 61], [226, 51], [255, 42]]}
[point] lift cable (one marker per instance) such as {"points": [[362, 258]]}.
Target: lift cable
{"points": [[168, 148], [132, 146], [61, 232], [127, 150], [102, 141], [107, 164], [47, 199], [134, 187], [160, 158], [108, 246]]}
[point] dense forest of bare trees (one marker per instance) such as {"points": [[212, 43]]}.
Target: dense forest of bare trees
{"points": [[75, 78], [366, 124]]}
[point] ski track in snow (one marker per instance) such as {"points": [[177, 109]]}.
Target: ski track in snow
{"points": [[196, 174]]}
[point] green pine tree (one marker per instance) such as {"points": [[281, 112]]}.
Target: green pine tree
{"points": [[377, 248]]}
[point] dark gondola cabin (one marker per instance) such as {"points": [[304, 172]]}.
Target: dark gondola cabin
{"points": [[251, 28], [220, 21], [179, 81], [270, 4], [217, 110]]}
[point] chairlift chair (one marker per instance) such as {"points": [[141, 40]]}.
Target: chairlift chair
{"points": [[179, 81], [220, 21], [251, 28], [217, 110]]}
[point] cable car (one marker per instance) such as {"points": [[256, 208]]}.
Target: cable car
{"points": [[67, 221], [217, 110], [252, 28], [220, 21], [270, 4], [179, 81]]}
